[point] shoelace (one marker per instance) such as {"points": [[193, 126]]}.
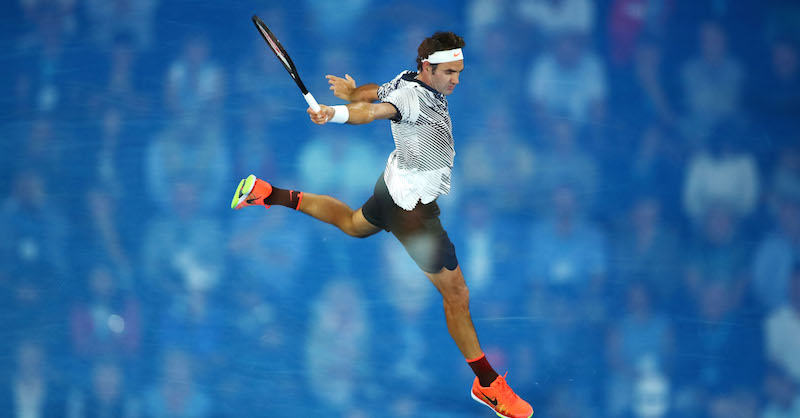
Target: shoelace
{"points": [[504, 392]]}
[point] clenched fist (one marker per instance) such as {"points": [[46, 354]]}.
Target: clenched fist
{"points": [[323, 116]]}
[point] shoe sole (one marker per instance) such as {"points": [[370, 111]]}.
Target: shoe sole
{"points": [[244, 189], [482, 402]]}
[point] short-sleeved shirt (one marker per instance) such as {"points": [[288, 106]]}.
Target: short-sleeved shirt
{"points": [[419, 168]]}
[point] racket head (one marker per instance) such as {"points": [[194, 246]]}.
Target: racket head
{"points": [[280, 52]]}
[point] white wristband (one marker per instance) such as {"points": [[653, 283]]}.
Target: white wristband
{"points": [[340, 114]]}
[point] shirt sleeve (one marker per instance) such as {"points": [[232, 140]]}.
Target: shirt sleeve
{"points": [[390, 86], [406, 102]]}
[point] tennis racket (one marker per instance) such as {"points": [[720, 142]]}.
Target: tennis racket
{"points": [[284, 58]]}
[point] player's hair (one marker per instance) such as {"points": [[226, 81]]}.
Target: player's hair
{"points": [[439, 41]]}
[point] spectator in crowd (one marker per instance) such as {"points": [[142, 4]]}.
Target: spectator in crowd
{"points": [[337, 346], [711, 373], [564, 161], [194, 88], [568, 252], [111, 182], [569, 82], [712, 83], [257, 149], [495, 144], [655, 163], [630, 21], [339, 164], [782, 331], [642, 91], [741, 401], [783, 396], [260, 350], [642, 334], [647, 250], [107, 395], [566, 350], [779, 250], [725, 175], [33, 231], [776, 97], [193, 323], [108, 323], [554, 17], [121, 86], [480, 247], [176, 393], [717, 255], [652, 84], [483, 16], [493, 57], [406, 346], [331, 17], [263, 257], [181, 249], [31, 388], [46, 30], [110, 18], [44, 149], [187, 153]]}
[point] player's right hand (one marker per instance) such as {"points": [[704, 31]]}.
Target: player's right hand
{"points": [[343, 88], [323, 116]]}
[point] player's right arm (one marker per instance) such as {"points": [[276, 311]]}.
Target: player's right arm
{"points": [[345, 89], [359, 113]]}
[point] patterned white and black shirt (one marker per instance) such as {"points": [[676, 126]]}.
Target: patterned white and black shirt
{"points": [[419, 168]]}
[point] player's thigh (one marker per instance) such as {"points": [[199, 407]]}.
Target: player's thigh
{"points": [[361, 227]]}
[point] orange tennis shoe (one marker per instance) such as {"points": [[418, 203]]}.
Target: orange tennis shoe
{"points": [[251, 192], [501, 398]]}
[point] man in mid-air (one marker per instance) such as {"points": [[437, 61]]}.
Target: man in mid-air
{"points": [[404, 199]]}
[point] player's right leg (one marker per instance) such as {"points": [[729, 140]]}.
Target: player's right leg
{"points": [[490, 390], [253, 191]]}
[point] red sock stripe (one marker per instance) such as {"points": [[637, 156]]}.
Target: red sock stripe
{"points": [[476, 358]]}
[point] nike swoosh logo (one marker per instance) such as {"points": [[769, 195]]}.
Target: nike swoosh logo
{"points": [[456, 54], [492, 401]]}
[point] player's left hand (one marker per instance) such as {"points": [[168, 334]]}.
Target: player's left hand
{"points": [[343, 88], [323, 116]]}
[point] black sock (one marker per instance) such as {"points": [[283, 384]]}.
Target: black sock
{"points": [[288, 198], [483, 370]]}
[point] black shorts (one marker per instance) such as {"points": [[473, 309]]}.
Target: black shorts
{"points": [[419, 230]]}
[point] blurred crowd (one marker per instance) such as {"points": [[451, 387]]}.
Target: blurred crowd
{"points": [[625, 207]]}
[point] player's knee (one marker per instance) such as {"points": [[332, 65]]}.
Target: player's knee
{"points": [[357, 234], [353, 230], [355, 226], [457, 295]]}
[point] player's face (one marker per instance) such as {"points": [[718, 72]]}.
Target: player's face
{"points": [[445, 78]]}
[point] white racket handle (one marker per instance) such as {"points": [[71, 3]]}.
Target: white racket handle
{"points": [[312, 103]]}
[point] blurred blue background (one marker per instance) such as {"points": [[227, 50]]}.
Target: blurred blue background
{"points": [[625, 207]]}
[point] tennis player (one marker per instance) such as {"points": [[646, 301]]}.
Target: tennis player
{"points": [[404, 199]]}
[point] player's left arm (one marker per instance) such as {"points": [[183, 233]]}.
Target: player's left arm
{"points": [[345, 89], [359, 113]]}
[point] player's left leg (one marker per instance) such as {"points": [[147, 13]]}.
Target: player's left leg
{"points": [[253, 191], [488, 388]]}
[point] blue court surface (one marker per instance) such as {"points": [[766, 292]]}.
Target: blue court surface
{"points": [[625, 207]]}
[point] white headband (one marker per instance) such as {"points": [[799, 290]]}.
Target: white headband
{"points": [[450, 55]]}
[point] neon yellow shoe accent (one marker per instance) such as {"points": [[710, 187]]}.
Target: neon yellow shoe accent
{"points": [[235, 200]]}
